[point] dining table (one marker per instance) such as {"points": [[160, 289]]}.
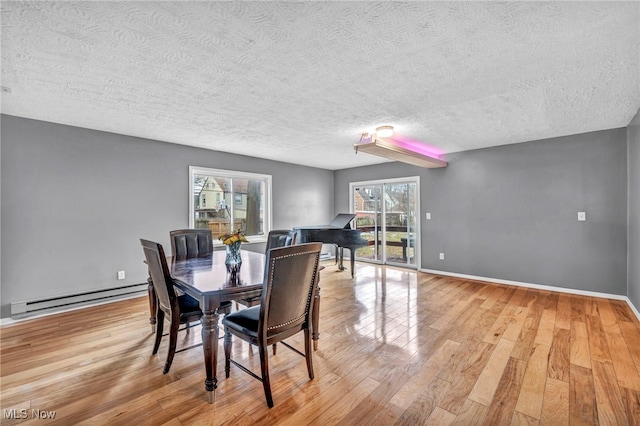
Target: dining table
{"points": [[207, 279]]}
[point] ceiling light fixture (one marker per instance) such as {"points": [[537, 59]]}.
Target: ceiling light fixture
{"points": [[384, 131], [398, 150]]}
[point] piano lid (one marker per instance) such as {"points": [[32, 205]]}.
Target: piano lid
{"points": [[342, 221]]}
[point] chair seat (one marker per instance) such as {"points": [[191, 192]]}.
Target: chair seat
{"points": [[245, 320], [190, 307], [187, 304]]}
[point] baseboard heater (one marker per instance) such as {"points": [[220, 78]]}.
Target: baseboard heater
{"points": [[21, 309]]}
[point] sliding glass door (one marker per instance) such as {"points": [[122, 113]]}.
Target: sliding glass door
{"points": [[387, 214]]}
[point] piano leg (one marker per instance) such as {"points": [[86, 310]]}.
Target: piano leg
{"points": [[352, 259], [341, 259]]}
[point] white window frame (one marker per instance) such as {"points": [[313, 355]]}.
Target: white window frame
{"points": [[231, 174]]}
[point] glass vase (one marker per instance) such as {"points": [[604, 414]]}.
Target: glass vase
{"points": [[233, 259]]}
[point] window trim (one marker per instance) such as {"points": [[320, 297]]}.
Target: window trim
{"points": [[195, 170]]}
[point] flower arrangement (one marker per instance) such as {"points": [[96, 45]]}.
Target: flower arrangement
{"points": [[233, 237]]}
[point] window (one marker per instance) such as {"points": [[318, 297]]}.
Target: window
{"points": [[242, 201]]}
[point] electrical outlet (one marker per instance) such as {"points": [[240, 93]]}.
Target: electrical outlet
{"points": [[121, 275], [441, 256], [582, 216]]}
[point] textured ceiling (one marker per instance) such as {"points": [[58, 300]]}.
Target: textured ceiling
{"points": [[300, 82]]}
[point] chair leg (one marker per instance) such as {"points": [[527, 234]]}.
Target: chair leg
{"points": [[227, 352], [159, 329], [264, 366], [274, 348], [308, 352], [173, 340], [153, 304]]}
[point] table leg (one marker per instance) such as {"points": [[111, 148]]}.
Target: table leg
{"points": [[315, 319], [153, 304], [210, 350]]}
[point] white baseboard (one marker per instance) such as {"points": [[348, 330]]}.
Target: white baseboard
{"points": [[633, 308], [538, 287]]}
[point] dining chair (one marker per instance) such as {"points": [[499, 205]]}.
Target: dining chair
{"points": [[285, 309], [177, 309], [275, 238], [188, 243], [191, 242]]}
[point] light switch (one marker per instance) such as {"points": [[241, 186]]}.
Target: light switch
{"points": [[428, 216], [582, 216]]}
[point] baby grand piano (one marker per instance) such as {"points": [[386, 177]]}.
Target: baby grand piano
{"points": [[339, 233]]}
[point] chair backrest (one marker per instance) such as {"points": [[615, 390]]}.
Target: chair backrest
{"points": [[280, 238], [289, 286], [191, 242], [159, 272]]}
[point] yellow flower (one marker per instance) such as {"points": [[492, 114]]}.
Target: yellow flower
{"points": [[234, 237]]}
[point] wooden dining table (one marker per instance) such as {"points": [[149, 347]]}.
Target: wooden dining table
{"points": [[206, 279]]}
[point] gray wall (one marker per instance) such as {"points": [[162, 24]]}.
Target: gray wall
{"points": [[510, 212], [633, 134], [76, 201]]}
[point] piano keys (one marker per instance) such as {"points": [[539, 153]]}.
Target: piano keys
{"points": [[338, 233]]}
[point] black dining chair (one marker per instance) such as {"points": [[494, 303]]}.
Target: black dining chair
{"points": [[185, 243], [275, 238], [285, 309], [177, 309], [191, 242]]}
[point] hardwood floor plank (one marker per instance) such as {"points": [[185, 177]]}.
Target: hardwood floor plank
{"points": [[607, 317], [610, 406], [452, 314], [555, 405], [457, 394], [631, 399], [544, 335], [451, 368], [598, 346], [472, 413], [579, 354], [563, 313], [520, 419], [410, 390], [341, 407], [582, 398], [505, 398], [505, 318], [440, 417], [630, 335], [424, 404], [531, 395], [577, 309], [493, 354], [626, 370], [524, 343], [622, 311], [487, 383]]}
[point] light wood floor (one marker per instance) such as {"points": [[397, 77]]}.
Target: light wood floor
{"points": [[396, 347]]}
